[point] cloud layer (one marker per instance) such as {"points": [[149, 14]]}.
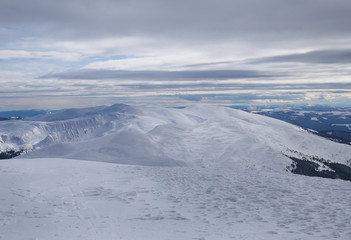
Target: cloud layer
{"points": [[157, 75], [321, 56], [174, 52]]}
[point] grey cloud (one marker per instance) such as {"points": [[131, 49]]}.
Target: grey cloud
{"points": [[215, 29], [208, 64], [157, 75], [241, 96], [197, 19], [239, 86], [191, 97], [322, 56]]}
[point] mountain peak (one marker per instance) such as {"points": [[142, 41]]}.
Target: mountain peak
{"points": [[152, 135]]}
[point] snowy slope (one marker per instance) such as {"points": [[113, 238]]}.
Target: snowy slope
{"points": [[70, 199], [156, 173], [151, 135]]}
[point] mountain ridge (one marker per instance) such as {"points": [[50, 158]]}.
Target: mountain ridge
{"points": [[158, 136], [201, 172]]}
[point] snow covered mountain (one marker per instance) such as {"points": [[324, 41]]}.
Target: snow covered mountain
{"points": [[201, 172], [151, 135]]}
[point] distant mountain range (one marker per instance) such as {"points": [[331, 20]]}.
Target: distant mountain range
{"points": [[8, 115], [333, 123]]}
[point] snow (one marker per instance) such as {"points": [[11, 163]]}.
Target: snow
{"points": [[157, 136], [202, 172], [73, 199]]}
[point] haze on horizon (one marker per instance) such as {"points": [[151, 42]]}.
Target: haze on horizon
{"points": [[60, 54]]}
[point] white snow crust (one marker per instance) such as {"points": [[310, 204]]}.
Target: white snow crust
{"points": [[202, 172], [74, 199], [157, 136]]}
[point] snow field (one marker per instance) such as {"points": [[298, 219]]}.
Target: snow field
{"points": [[72, 199], [155, 173]]}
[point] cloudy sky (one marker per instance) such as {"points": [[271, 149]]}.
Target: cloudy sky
{"points": [[76, 53]]}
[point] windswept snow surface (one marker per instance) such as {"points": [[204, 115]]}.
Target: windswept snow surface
{"points": [[155, 173], [157, 136], [73, 199]]}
